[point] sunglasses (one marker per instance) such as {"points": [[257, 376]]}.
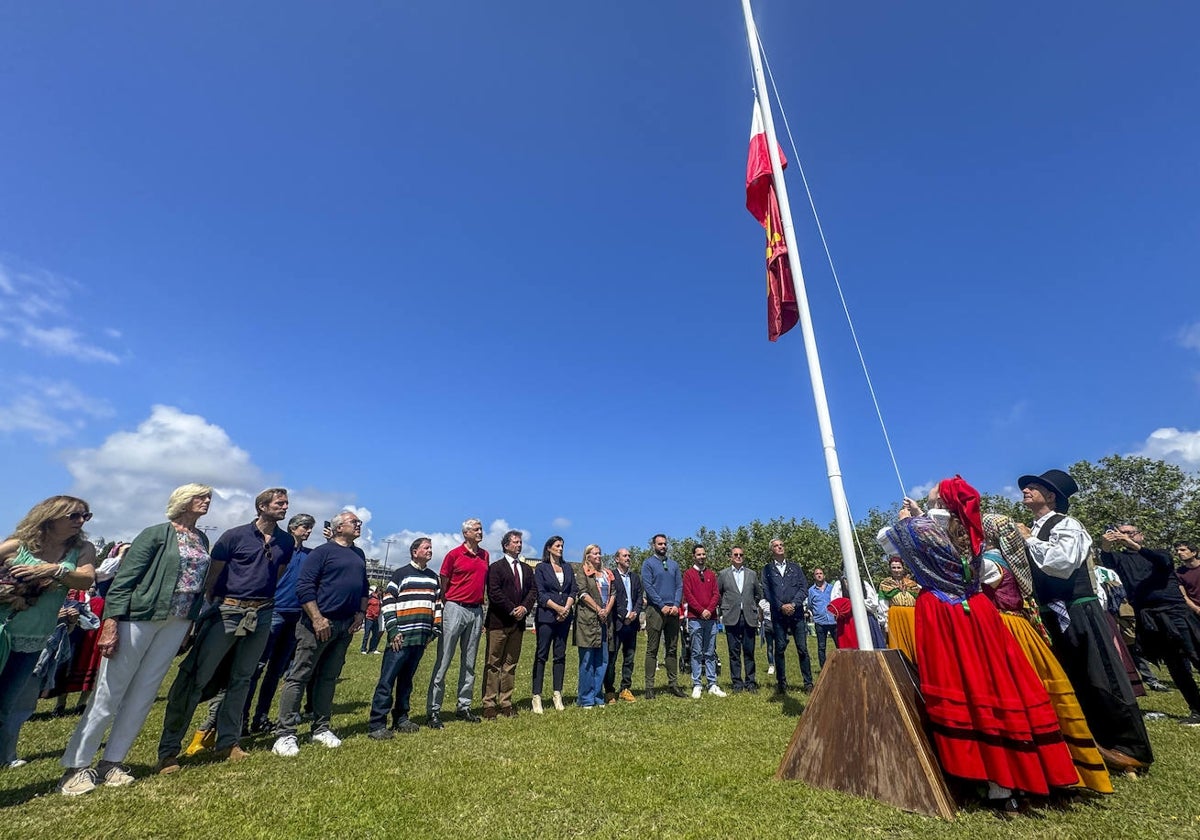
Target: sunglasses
{"points": [[79, 517]]}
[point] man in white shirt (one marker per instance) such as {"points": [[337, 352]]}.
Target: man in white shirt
{"points": [[1058, 546]]}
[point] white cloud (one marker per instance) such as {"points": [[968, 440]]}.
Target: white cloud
{"points": [[920, 491], [37, 308], [560, 523], [1011, 491], [63, 341], [1189, 336], [129, 476], [1174, 446], [444, 541], [48, 411]]}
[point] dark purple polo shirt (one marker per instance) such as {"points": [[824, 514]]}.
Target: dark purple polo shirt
{"points": [[251, 566]]}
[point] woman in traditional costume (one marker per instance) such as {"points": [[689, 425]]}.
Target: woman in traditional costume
{"points": [[898, 600], [992, 720]]}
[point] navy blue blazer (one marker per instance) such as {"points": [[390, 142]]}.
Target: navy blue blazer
{"points": [[790, 588], [549, 589], [622, 609]]}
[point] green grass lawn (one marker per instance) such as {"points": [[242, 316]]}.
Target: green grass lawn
{"points": [[668, 768]]}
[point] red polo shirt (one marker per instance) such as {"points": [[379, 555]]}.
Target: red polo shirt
{"points": [[467, 575]]}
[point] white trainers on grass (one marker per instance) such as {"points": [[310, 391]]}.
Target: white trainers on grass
{"points": [[328, 739], [77, 782], [715, 690], [286, 746], [696, 692]]}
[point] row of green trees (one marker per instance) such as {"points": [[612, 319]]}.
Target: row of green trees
{"points": [[1161, 498]]}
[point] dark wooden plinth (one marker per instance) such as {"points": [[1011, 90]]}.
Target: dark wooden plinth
{"points": [[861, 733]]}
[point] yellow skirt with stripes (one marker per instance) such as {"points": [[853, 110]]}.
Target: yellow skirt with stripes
{"points": [[1092, 772]]}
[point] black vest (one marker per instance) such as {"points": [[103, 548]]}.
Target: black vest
{"points": [[1047, 588]]}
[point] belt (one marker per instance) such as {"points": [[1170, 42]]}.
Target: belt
{"points": [[247, 603], [468, 606]]}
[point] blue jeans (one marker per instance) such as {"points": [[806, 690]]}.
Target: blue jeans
{"points": [[371, 633], [592, 664], [703, 638], [395, 680], [18, 700], [824, 631]]}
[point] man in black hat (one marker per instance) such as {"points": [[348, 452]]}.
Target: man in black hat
{"points": [[1166, 629], [1058, 546]]}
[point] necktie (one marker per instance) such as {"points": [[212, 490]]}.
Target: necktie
{"points": [[517, 580]]}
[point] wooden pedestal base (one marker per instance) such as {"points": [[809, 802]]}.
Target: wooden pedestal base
{"points": [[861, 733]]}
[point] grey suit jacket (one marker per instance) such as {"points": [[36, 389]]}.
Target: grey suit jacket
{"points": [[734, 604]]}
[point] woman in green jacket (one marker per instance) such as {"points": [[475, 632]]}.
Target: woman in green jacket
{"points": [[593, 624], [154, 597]]}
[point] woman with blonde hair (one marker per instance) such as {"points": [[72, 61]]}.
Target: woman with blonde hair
{"points": [[593, 624], [47, 555], [154, 598]]}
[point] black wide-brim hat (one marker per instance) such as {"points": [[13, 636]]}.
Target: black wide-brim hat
{"points": [[1061, 484]]}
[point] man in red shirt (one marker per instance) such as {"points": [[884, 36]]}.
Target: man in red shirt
{"points": [[464, 578], [701, 595]]}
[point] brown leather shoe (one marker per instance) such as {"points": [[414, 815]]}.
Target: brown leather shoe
{"points": [[490, 713], [167, 766], [509, 711], [610, 698], [234, 753], [627, 696], [1118, 761]]}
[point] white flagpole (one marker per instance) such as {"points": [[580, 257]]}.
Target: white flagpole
{"points": [[841, 508]]}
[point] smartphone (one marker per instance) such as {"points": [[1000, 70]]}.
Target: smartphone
{"points": [[328, 525]]}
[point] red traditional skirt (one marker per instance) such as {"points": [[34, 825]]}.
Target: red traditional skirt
{"points": [[991, 717]]}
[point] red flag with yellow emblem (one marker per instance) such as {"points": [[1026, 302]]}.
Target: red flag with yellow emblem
{"points": [[782, 312]]}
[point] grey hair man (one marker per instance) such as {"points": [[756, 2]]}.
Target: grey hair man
{"points": [[464, 581]]}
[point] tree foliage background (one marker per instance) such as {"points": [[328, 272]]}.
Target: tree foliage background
{"points": [[1161, 498]]}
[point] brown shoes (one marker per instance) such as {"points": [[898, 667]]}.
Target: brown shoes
{"points": [[167, 766], [234, 753], [490, 713], [627, 696]]}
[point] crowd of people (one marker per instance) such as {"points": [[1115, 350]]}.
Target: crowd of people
{"points": [[1028, 683]]}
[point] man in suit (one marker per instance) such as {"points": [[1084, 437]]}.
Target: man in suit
{"points": [[511, 595], [627, 619], [740, 592], [785, 589]]}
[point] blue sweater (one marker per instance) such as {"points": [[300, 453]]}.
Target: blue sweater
{"points": [[285, 589], [662, 582], [335, 576]]}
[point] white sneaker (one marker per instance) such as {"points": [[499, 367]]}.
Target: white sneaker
{"points": [[715, 690], [15, 763], [286, 746], [114, 775], [771, 669], [328, 739], [77, 782], [537, 704], [696, 692]]}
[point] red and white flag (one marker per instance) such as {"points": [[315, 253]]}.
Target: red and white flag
{"points": [[782, 312]]}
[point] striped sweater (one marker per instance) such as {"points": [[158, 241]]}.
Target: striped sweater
{"points": [[412, 606]]}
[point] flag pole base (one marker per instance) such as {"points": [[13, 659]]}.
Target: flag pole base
{"points": [[862, 733]]}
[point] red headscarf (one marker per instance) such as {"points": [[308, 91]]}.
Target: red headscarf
{"points": [[962, 500]]}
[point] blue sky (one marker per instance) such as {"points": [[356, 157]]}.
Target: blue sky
{"points": [[448, 260]]}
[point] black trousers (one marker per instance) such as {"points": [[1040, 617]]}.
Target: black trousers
{"points": [[740, 639], [625, 643]]}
